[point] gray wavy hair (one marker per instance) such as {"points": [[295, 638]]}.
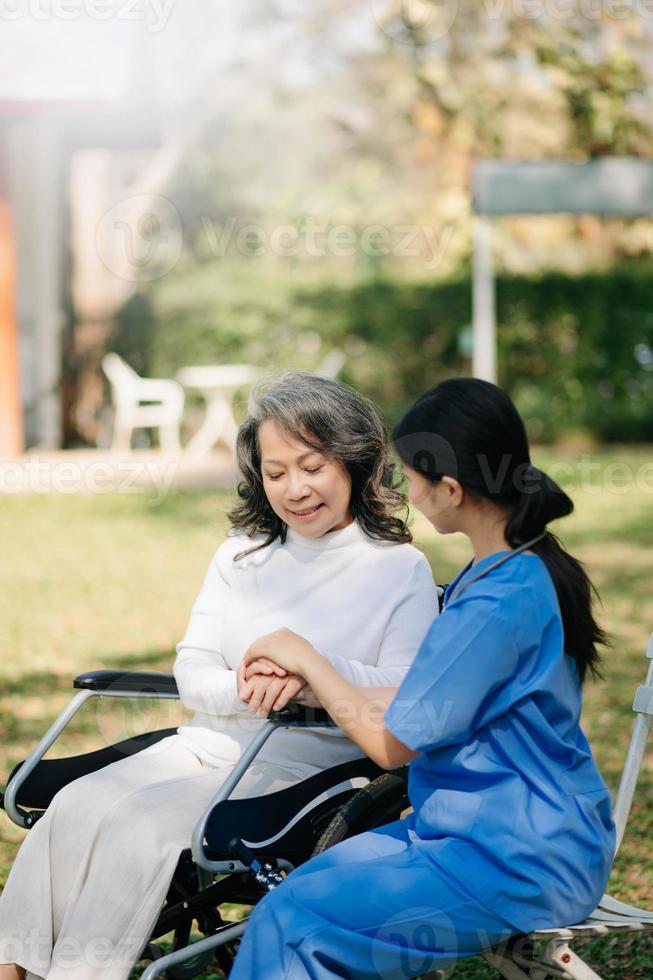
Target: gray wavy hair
{"points": [[337, 421]]}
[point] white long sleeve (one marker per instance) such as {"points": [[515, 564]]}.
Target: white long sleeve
{"points": [[205, 681], [206, 684]]}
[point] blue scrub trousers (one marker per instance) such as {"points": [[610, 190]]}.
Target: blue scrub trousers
{"points": [[374, 906]]}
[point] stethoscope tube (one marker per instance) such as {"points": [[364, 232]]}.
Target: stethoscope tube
{"points": [[495, 564]]}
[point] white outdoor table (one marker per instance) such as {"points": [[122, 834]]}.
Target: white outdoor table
{"points": [[218, 383]]}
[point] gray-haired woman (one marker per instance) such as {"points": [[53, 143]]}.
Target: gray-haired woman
{"points": [[317, 546]]}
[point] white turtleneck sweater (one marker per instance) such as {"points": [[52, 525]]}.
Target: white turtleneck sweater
{"points": [[364, 604]]}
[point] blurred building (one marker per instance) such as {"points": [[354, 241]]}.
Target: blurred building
{"points": [[78, 119]]}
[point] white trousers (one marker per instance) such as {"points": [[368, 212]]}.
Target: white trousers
{"points": [[91, 876]]}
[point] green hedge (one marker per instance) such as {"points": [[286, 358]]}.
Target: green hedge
{"points": [[575, 352]]}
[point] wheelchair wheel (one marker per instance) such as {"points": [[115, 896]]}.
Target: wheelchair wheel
{"points": [[380, 802], [193, 967]]}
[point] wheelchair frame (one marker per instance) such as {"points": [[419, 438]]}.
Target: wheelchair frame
{"points": [[158, 685], [513, 960]]}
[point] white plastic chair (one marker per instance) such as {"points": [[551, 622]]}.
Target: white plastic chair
{"points": [[611, 915], [143, 403]]}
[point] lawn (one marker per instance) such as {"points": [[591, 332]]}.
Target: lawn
{"points": [[109, 581]]}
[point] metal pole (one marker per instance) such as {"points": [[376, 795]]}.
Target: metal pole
{"points": [[484, 353], [237, 773], [201, 946], [10, 804]]}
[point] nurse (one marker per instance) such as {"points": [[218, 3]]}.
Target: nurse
{"points": [[511, 828]]}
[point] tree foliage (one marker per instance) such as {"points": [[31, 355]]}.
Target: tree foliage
{"points": [[354, 114], [576, 352]]}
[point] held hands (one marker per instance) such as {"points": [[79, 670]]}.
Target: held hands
{"points": [[268, 675], [284, 649], [272, 693], [267, 687]]}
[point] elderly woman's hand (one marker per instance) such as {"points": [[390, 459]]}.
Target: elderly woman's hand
{"points": [[267, 687], [273, 694]]}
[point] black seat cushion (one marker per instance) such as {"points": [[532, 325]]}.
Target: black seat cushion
{"points": [[282, 824], [290, 820], [51, 775]]}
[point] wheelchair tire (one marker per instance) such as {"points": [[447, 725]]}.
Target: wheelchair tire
{"points": [[191, 968], [380, 802], [196, 965]]}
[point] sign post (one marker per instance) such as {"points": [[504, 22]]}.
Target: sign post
{"points": [[618, 187]]}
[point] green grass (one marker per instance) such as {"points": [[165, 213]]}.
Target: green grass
{"points": [[109, 581]]}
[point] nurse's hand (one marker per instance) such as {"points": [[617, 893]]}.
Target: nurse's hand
{"points": [[263, 666], [284, 648]]}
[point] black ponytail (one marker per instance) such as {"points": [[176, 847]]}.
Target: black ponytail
{"points": [[532, 509], [470, 430]]}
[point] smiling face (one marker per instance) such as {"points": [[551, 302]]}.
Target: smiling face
{"points": [[309, 491]]}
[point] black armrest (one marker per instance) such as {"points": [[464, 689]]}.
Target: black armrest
{"points": [[303, 716], [132, 681]]}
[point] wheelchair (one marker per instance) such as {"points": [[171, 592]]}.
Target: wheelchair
{"points": [[240, 848]]}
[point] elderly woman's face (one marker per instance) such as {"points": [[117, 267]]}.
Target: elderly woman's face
{"points": [[309, 491]]}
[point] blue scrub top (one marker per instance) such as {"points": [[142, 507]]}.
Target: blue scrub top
{"points": [[506, 794]]}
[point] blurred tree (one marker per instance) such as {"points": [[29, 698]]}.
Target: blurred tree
{"points": [[366, 111], [364, 114]]}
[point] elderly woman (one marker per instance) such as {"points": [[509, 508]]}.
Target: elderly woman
{"points": [[317, 546]]}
